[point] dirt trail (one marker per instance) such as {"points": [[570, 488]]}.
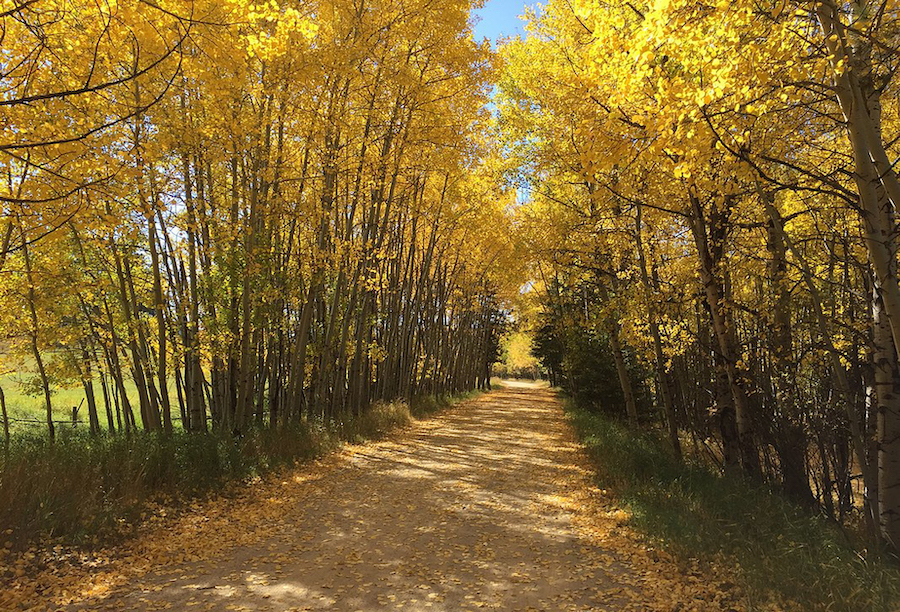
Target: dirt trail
{"points": [[479, 508]]}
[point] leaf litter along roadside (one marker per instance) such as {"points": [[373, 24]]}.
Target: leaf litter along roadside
{"points": [[479, 508], [669, 583], [58, 572]]}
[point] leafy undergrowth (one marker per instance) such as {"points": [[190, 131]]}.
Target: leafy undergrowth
{"points": [[780, 552], [93, 490]]}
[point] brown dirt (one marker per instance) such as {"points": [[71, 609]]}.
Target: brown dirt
{"points": [[487, 506]]}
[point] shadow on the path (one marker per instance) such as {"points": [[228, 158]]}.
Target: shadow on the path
{"points": [[468, 512]]}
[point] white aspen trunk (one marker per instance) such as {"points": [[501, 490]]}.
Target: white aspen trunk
{"points": [[860, 104]]}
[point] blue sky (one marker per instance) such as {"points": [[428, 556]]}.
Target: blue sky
{"points": [[500, 18]]}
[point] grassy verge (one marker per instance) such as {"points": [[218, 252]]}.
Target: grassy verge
{"points": [[781, 553], [85, 489]]}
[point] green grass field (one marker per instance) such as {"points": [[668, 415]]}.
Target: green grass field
{"points": [[25, 401]]}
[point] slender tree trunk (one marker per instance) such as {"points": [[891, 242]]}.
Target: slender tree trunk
{"points": [[662, 374], [622, 372], [87, 382], [159, 308], [33, 332], [791, 442], [716, 301], [5, 420]]}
